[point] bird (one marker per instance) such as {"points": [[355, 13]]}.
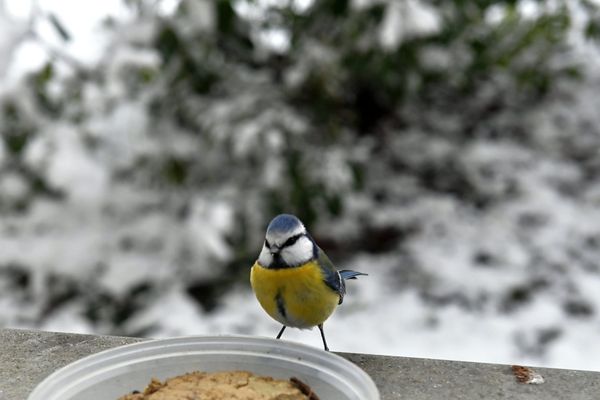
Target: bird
{"points": [[294, 280]]}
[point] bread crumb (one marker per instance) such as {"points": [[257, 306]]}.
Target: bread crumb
{"points": [[527, 375]]}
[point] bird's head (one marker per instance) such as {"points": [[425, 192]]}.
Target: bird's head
{"points": [[287, 243]]}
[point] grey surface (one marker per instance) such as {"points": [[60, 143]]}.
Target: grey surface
{"points": [[27, 357]]}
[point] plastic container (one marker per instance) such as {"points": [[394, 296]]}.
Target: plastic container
{"points": [[112, 373]]}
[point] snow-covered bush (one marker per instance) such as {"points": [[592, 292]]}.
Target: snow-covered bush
{"points": [[448, 148]]}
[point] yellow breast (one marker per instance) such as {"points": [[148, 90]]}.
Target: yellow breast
{"points": [[296, 297]]}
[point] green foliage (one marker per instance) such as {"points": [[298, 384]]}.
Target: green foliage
{"points": [[191, 71], [40, 82], [17, 128], [226, 17], [348, 88], [375, 83], [176, 170], [592, 27]]}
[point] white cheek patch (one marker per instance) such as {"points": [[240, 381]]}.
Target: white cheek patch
{"points": [[298, 253], [265, 258]]}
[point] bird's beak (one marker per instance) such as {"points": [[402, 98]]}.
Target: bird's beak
{"points": [[274, 250]]}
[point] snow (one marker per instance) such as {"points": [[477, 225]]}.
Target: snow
{"points": [[388, 322], [13, 31], [69, 166], [405, 20]]}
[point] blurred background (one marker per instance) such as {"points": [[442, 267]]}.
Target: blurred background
{"points": [[449, 149]]}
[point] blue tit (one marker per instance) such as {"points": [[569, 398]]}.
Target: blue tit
{"points": [[294, 280]]}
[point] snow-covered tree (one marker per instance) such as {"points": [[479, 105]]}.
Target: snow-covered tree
{"points": [[453, 144]]}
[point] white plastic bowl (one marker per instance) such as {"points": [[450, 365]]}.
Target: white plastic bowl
{"points": [[112, 373]]}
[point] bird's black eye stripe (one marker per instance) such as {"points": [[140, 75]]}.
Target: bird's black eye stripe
{"points": [[267, 244], [292, 240]]}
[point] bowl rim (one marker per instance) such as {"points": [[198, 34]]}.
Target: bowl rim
{"points": [[255, 344]]}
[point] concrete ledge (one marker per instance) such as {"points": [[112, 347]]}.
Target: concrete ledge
{"points": [[27, 357]]}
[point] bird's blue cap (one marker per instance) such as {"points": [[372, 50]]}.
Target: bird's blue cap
{"points": [[283, 223]]}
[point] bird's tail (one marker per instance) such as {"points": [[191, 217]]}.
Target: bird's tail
{"points": [[349, 274]]}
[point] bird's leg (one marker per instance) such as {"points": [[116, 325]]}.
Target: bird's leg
{"points": [[323, 337], [280, 332]]}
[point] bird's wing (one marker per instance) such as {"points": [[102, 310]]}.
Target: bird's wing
{"points": [[331, 276], [349, 274]]}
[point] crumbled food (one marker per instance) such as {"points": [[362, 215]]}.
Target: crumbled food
{"points": [[527, 375], [238, 385], [304, 388]]}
